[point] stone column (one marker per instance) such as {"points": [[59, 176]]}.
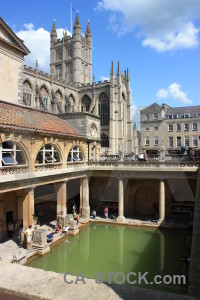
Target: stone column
{"points": [[1, 218], [1, 210], [28, 208], [61, 202], [162, 200], [120, 217], [81, 196], [64, 199], [194, 274], [85, 197], [20, 208]]}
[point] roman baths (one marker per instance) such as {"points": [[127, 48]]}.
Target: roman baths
{"points": [[85, 211]]}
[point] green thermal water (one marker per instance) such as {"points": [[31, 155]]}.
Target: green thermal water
{"points": [[100, 248]]}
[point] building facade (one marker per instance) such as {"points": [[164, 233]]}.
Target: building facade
{"points": [[174, 129]]}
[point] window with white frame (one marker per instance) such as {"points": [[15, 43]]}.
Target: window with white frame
{"points": [[194, 142], [156, 127], [171, 144], [187, 141], [178, 127], [178, 141], [186, 127], [146, 127], [155, 116], [194, 126], [155, 140], [170, 127], [170, 116], [11, 154], [186, 115], [175, 116], [48, 154], [147, 141], [75, 154], [146, 116]]}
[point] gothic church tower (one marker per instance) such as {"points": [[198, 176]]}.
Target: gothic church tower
{"points": [[71, 57]]}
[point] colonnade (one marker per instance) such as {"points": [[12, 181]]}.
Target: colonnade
{"points": [[26, 203]]}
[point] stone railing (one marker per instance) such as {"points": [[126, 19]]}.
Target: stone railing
{"points": [[144, 164], [46, 167], [74, 164], [15, 169]]}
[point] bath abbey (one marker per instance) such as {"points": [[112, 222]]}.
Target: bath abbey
{"points": [[68, 145]]}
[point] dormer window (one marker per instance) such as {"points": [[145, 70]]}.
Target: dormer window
{"points": [[175, 116], [170, 117], [187, 115]]}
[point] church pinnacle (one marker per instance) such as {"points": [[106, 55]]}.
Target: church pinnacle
{"points": [[77, 23], [53, 31], [88, 30]]}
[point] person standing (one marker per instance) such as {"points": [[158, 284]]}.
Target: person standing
{"points": [[10, 230], [106, 212], [77, 218], [29, 233]]}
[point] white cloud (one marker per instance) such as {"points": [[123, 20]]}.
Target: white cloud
{"points": [[29, 26], [163, 25], [38, 42], [188, 38], [174, 92]]}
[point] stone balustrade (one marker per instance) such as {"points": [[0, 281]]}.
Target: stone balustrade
{"points": [[143, 165], [9, 170]]}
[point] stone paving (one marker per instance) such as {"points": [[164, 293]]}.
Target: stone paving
{"points": [[10, 251]]}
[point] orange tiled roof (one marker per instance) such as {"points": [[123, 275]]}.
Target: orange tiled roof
{"points": [[16, 117]]}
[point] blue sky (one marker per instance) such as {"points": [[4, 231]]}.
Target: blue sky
{"points": [[157, 40]]}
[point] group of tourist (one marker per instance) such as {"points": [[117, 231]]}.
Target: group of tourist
{"points": [[113, 212], [143, 155]]}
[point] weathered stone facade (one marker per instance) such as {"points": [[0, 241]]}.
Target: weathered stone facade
{"points": [[171, 129], [69, 89]]}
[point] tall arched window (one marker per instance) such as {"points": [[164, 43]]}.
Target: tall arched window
{"points": [[75, 154], [27, 93], [48, 154], [85, 104], [104, 109], [104, 140], [12, 154], [45, 96]]}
